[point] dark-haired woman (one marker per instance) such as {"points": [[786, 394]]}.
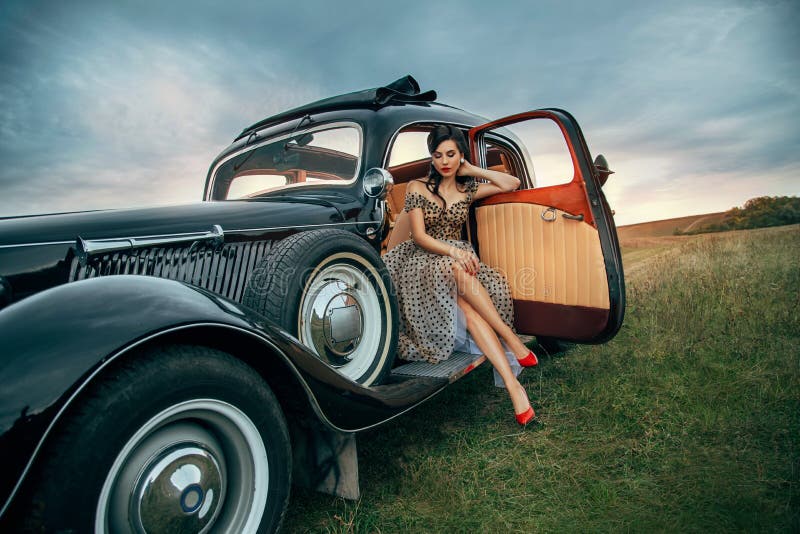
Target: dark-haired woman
{"points": [[443, 288]]}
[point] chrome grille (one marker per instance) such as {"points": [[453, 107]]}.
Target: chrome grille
{"points": [[224, 271]]}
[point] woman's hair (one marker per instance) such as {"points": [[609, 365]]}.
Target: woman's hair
{"points": [[440, 133]]}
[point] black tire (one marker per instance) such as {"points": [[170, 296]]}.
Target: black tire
{"points": [[341, 278], [179, 411]]}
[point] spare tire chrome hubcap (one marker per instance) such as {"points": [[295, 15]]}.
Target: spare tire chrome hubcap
{"points": [[335, 311], [341, 322]]}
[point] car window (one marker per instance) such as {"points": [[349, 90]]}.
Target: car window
{"points": [[409, 157], [546, 152], [409, 146], [302, 159], [247, 185], [501, 157]]}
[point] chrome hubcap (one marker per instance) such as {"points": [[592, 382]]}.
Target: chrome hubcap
{"points": [[198, 466], [336, 320], [339, 304], [182, 486]]}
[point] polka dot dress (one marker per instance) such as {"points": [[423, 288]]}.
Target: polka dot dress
{"points": [[426, 285]]}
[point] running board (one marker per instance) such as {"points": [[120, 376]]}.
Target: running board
{"points": [[451, 369]]}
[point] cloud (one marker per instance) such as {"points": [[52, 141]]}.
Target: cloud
{"points": [[122, 116], [109, 104]]}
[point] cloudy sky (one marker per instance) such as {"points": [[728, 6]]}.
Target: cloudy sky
{"points": [[114, 104]]}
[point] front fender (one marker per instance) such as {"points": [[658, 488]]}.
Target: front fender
{"points": [[55, 342], [52, 343]]}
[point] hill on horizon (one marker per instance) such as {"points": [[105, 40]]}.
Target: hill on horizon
{"points": [[667, 227]]}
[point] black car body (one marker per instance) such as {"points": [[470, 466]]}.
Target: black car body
{"points": [[84, 296]]}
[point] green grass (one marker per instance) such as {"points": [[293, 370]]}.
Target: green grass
{"points": [[689, 420]]}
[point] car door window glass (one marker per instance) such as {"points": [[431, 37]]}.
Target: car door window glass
{"points": [[409, 146], [503, 158], [322, 156], [548, 158]]}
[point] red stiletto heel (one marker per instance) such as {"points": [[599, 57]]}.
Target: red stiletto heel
{"points": [[525, 417], [529, 361]]}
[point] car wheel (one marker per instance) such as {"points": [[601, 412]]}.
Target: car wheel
{"points": [[181, 439], [331, 290]]}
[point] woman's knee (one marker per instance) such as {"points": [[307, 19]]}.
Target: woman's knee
{"points": [[465, 306]]}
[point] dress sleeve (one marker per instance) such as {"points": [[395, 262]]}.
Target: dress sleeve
{"points": [[413, 200]]}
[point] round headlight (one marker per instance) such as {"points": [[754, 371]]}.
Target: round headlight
{"points": [[377, 182]]}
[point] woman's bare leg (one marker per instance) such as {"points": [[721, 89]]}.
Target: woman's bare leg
{"points": [[487, 341], [471, 289]]}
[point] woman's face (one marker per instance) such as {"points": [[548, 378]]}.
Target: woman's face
{"points": [[446, 158]]}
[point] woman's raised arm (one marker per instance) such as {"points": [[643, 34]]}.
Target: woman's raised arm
{"points": [[500, 182]]}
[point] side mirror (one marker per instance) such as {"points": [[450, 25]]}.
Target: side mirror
{"points": [[601, 166], [378, 182]]}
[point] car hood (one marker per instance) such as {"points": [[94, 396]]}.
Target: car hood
{"points": [[173, 219]]}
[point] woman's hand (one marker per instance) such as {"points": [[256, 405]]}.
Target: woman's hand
{"points": [[501, 182], [466, 169], [466, 259]]}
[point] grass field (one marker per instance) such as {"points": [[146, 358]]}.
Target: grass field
{"points": [[689, 420]]}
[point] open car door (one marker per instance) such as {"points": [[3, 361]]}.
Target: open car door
{"points": [[554, 238]]}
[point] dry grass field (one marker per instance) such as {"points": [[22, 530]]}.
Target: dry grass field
{"points": [[689, 420], [667, 227]]}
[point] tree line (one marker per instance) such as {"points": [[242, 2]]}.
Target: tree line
{"points": [[757, 212]]}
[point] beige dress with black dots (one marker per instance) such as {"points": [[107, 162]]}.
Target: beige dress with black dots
{"points": [[430, 319]]}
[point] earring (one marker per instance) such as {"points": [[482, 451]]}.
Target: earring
{"points": [[462, 160]]}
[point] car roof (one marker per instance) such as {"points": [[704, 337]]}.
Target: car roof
{"points": [[402, 91]]}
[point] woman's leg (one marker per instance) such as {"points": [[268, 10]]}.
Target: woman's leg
{"points": [[487, 341], [470, 288]]}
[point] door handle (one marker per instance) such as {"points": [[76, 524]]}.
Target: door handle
{"points": [[550, 215]]}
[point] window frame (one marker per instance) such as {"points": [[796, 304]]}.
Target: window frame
{"points": [[521, 156], [292, 134]]}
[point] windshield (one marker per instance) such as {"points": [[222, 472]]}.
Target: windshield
{"points": [[313, 157]]}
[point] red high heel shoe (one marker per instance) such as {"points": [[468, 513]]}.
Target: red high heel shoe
{"points": [[525, 417], [528, 361]]}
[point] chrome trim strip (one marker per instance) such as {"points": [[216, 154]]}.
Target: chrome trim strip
{"points": [[228, 232], [242, 230], [310, 129], [38, 244], [87, 248]]}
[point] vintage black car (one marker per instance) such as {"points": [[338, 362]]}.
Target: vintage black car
{"points": [[174, 369]]}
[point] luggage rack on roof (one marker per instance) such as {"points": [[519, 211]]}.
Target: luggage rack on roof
{"points": [[405, 89]]}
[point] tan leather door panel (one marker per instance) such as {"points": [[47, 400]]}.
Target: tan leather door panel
{"points": [[553, 264]]}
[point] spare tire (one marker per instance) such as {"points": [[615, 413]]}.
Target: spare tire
{"points": [[331, 290]]}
